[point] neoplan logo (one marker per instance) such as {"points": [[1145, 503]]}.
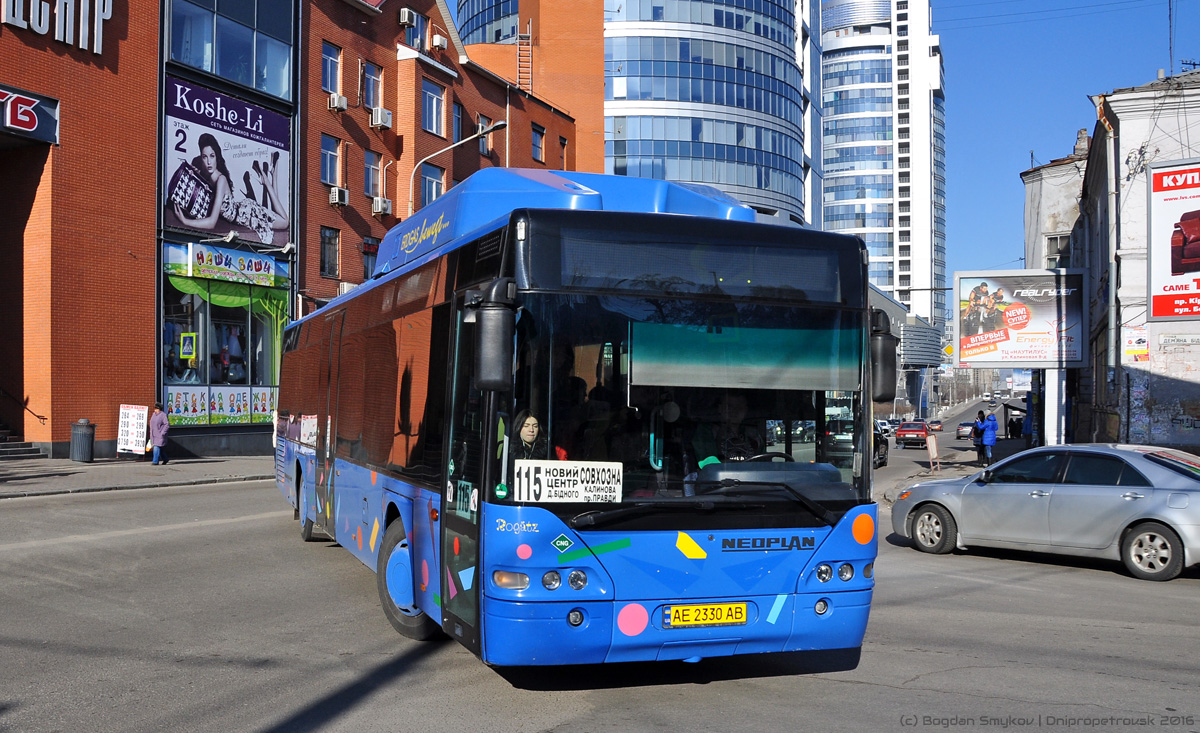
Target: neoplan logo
{"points": [[767, 544]]}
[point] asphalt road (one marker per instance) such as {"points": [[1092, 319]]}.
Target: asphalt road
{"points": [[200, 609]]}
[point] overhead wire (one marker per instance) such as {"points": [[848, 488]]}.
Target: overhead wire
{"points": [[1047, 14]]}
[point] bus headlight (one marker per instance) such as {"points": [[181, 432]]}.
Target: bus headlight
{"points": [[824, 573], [551, 580], [869, 570], [846, 571], [510, 581], [577, 579]]}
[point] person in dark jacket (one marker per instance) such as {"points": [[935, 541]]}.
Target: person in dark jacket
{"points": [[530, 442], [159, 426], [990, 426], [977, 437]]}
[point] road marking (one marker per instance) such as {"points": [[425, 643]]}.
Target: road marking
{"points": [[76, 538]]}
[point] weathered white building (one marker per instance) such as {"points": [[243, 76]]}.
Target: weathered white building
{"points": [[1052, 224], [1145, 375]]}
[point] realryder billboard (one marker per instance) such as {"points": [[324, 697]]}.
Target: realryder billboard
{"points": [[1173, 237], [1030, 319]]}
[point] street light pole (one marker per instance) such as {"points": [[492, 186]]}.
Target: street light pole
{"points": [[412, 180]]}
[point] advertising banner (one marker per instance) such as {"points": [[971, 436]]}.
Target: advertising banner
{"points": [[1173, 241], [1032, 319], [186, 405], [230, 265], [226, 164]]}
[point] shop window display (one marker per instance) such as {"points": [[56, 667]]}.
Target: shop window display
{"points": [[221, 339]]}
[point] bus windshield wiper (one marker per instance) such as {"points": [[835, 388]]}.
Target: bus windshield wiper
{"points": [[731, 485], [596, 517]]}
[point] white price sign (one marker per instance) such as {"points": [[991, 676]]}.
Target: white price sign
{"points": [[131, 429], [549, 482]]}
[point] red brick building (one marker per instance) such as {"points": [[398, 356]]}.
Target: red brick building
{"points": [[168, 203]]}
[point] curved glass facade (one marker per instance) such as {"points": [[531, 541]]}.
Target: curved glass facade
{"points": [[711, 96], [837, 14], [696, 91], [487, 21]]}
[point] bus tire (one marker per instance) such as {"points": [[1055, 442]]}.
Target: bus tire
{"points": [[394, 571], [306, 523]]}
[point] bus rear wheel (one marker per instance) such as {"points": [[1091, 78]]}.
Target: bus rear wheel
{"points": [[395, 581], [306, 522]]}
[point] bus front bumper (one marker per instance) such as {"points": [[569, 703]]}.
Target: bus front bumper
{"points": [[540, 633]]}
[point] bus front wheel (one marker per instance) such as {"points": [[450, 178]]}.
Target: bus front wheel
{"points": [[306, 522], [394, 579]]}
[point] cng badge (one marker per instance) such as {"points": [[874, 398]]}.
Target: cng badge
{"points": [[562, 543]]}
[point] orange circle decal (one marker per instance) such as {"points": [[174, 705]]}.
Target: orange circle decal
{"points": [[863, 529]]}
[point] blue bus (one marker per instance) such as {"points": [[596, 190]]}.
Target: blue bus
{"points": [[563, 422]]}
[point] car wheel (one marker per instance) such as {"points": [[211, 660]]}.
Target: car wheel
{"points": [[934, 530], [1152, 552], [394, 581]]}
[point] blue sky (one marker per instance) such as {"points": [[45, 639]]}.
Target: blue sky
{"points": [[1013, 87]]}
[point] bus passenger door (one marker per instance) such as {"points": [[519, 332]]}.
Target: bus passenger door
{"points": [[463, 496], [327, 391]]}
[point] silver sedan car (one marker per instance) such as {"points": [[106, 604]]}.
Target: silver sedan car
{"points": [[1135, 503]]}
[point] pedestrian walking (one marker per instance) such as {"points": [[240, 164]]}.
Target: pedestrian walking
{"points": [[159, 426], [977, 437]]}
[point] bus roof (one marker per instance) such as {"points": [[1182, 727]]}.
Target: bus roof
{"points": [[493, 193]]}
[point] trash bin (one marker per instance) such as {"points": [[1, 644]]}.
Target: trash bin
{"points": [[83, 436]]}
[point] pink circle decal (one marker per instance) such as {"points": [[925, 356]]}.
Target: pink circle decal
{"points": [[425, 572], [632, 620], [524, 552]]}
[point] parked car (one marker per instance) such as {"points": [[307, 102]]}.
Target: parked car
{"points": [[894, 422], [911, 433], [1134, 503], [880, 455], [963, 430], [884, 427], [935, 426]]}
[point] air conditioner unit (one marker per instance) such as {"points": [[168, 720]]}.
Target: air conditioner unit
{"points": [[339, 196], [381, 117], [408, 17], [337, 102], [380, 205], [344, 288], [439, 41]]}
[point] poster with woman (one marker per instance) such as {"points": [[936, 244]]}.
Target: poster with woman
{"points": [[226, 165]]}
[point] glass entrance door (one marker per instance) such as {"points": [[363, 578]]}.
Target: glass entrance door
{"points": [[463, 497]]}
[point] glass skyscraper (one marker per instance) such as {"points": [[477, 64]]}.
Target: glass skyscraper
{"points": [[700, 91], [883, 143]]}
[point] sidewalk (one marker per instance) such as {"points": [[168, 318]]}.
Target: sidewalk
{"points": [[42, 477], [957, 461]]}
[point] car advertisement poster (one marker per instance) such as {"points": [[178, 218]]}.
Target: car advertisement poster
{"points": [[226, 165], [1032, 319], [1173, 241]]}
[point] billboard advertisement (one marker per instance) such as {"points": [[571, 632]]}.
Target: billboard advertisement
{"points": [[226, 166], [1032, 319], [1173, 241]]}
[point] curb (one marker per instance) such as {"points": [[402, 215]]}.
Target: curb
{"points": [[155, 485]]}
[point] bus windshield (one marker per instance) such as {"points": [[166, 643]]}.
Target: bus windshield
{"points": [[711, 412]]}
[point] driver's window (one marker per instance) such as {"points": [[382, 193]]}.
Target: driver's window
{"points": [[1036, 469]]}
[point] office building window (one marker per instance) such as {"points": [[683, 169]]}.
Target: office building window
{"points": [[433, 108], [330, 147], [370, 251], [330, 242], [372, 86], [485, 142], [538, 143], [371, 173], [414, 35], [458, 122], [432, 184], [331, 67], [230, 39]]}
